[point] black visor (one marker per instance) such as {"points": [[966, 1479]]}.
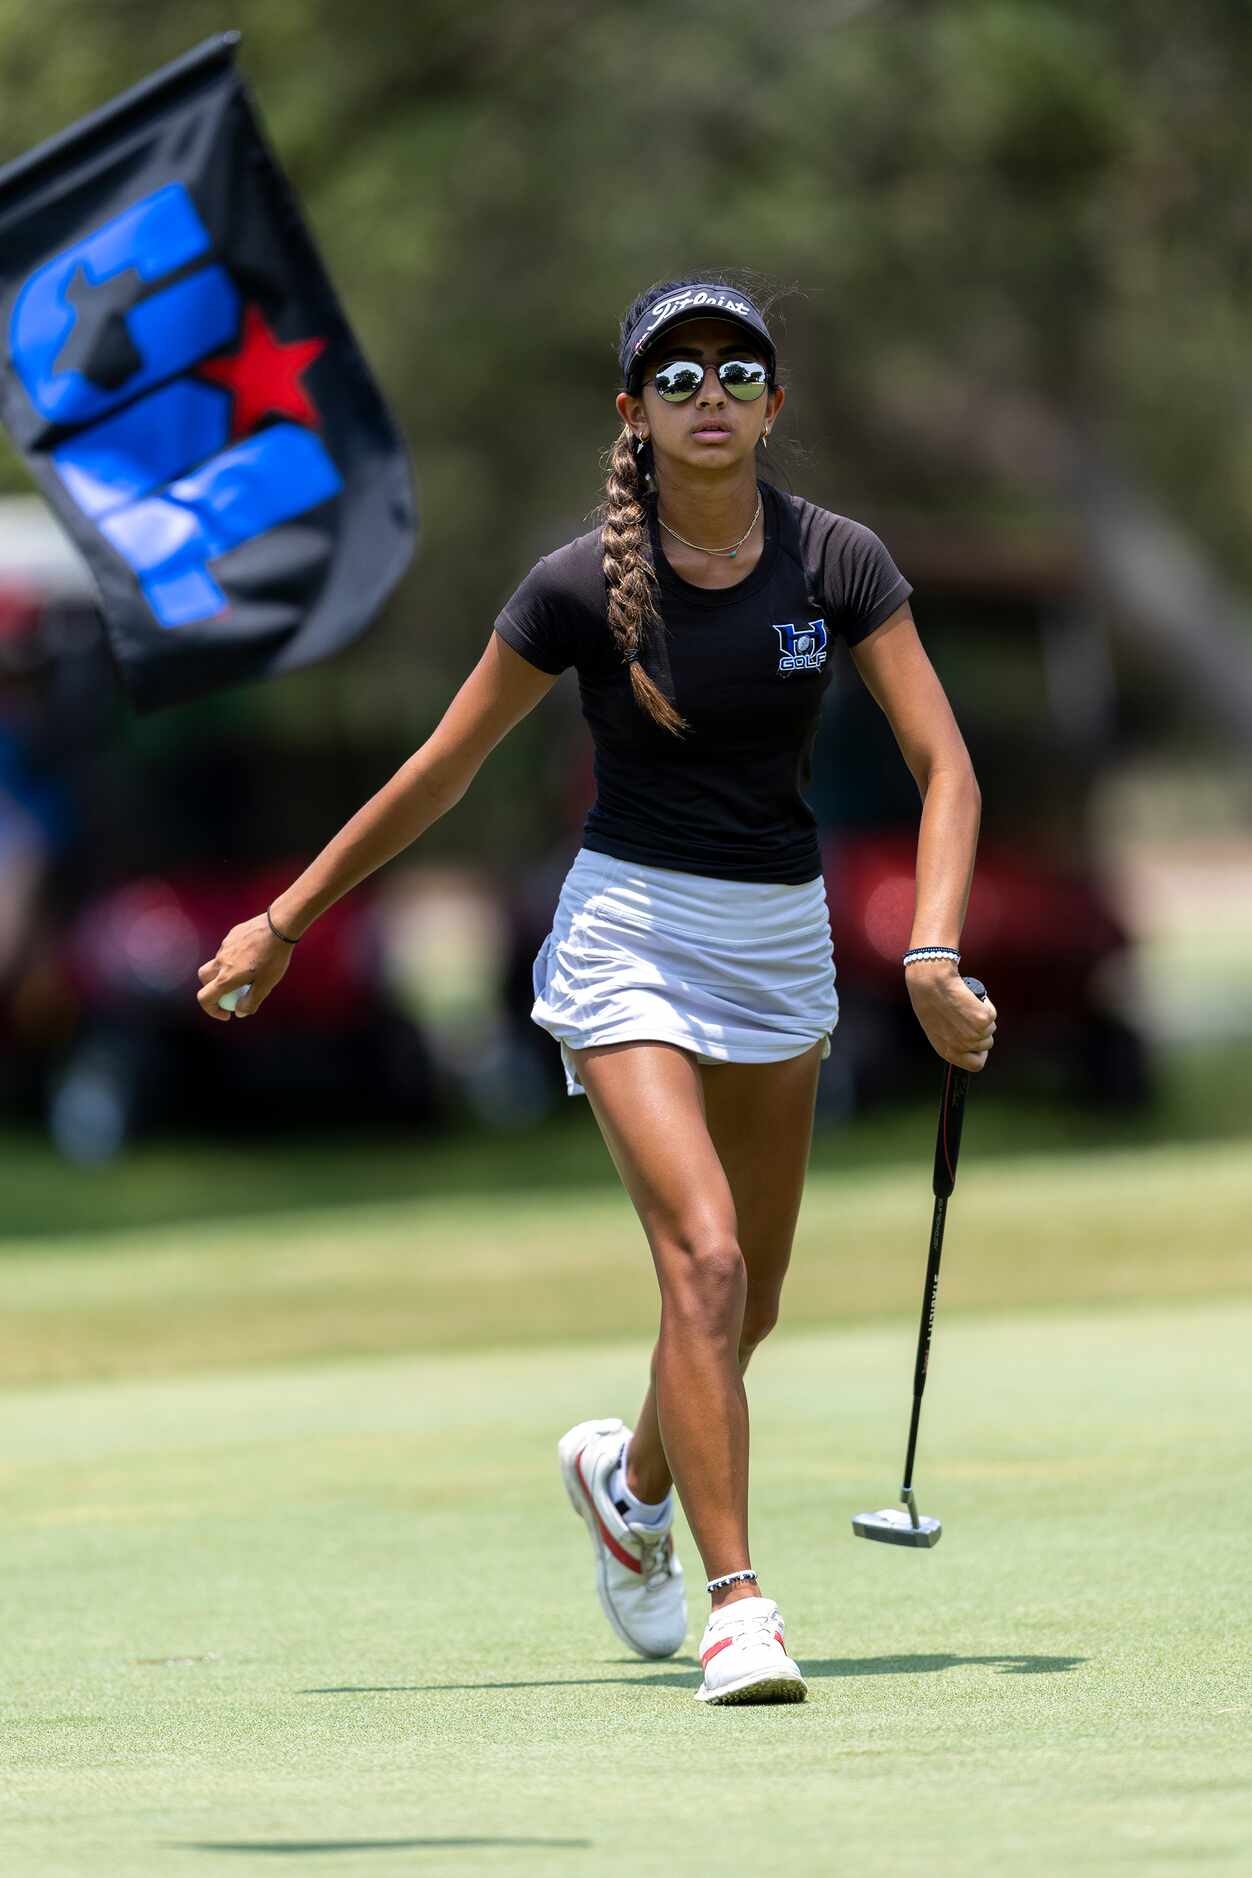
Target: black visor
{"points": [[689, 303]]}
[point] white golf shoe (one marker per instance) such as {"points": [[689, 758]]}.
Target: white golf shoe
{"points": [[639, 1580], [744, 1658]]}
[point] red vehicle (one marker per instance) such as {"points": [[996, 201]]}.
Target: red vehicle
{"points": [[1041, 939], [112, 834], [334, 1047], [1024, 658]]}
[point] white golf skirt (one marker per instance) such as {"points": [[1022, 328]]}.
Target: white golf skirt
{"points": [[737, 971]]}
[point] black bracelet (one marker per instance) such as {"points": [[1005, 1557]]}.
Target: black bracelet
{"points": [[931, 952], [280, 935]]}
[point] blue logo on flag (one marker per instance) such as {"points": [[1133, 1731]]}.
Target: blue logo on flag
{"points": [[163, 458]]}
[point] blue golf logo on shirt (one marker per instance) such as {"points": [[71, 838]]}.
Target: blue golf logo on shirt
{"points": [[135, 344], [803, 647]]}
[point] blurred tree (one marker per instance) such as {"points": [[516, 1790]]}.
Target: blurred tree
{"points": [[1020, 230]]}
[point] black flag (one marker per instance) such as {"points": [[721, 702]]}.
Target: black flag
{"points": [[180, 377]]}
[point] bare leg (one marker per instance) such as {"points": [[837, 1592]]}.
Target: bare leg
{"points": [[760, 1120], [649, 1103]]}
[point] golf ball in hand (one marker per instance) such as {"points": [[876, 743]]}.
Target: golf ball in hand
{"points": [[231, 998]]}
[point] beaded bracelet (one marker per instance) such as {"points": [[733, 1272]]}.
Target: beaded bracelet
{"points": [[931, 952], [731, 1578], [280, 935]]}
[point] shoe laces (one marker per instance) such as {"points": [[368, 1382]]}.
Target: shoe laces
{"points": [[655, 1556], [745, 1628]]}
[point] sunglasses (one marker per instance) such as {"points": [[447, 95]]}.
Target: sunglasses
{"points": [[682, 378]]}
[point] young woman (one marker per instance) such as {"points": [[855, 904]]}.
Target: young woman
{"points": [[688, 976]]}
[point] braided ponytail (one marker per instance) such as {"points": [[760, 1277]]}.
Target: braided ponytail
{"points": [[631, 578]]}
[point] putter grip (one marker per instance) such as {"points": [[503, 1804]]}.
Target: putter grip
{"points": [[951, 1118]]}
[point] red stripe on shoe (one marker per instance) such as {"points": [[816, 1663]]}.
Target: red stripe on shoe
{"points": [[713, 1650], [619, 1552], [778, 1638]]}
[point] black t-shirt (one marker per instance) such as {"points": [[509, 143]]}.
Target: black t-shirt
{"points": [[745, 665]]}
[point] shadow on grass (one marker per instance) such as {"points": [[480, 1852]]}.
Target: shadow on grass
{"points": [[689, 1680], [826, 1666], [300, 1846], [926, 1665]]}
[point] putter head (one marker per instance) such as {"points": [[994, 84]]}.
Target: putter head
{"points": [[894, 1527]]}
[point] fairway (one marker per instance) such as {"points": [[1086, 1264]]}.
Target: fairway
{"points": [[494, 1267], [337, 1616]]}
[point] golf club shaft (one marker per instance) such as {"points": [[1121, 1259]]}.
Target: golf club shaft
{"points": [[947, 1153], [930, 1297]]}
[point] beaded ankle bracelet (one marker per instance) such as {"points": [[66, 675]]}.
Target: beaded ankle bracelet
{"points": [[731, 1578]]}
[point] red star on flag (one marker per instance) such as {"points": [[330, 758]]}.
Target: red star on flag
{"points": [[263, 375]]}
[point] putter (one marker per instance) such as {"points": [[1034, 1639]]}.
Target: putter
{"points": [[889, 1525]]}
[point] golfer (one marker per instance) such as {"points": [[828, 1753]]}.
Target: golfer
{"points": [[688, 977]]}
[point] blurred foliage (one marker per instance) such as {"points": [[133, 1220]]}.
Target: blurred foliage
{"points": [[1026, 216]]}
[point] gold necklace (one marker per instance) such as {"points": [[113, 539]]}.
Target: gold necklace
{"points": [[730, 553]]}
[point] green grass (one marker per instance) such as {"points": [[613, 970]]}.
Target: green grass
{"points": [[290, 1581], [1206, 1095], [1047, 1232], [338, 1616]]}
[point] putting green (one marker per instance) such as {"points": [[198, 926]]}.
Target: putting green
{"points": [[338, 1616]]}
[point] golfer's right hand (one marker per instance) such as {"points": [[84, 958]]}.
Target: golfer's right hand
{"points": [[249, 954]]}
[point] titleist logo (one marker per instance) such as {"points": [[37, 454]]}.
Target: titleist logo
{"points": [[690, 296]]}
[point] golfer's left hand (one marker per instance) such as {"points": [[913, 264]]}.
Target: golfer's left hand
{"points": [[961, 1027]]}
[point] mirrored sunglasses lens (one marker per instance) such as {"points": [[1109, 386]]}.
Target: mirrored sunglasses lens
{"points": [[679, 379], [743, 378]]}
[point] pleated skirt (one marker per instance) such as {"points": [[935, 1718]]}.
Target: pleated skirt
{"points": [[736, 971]]}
